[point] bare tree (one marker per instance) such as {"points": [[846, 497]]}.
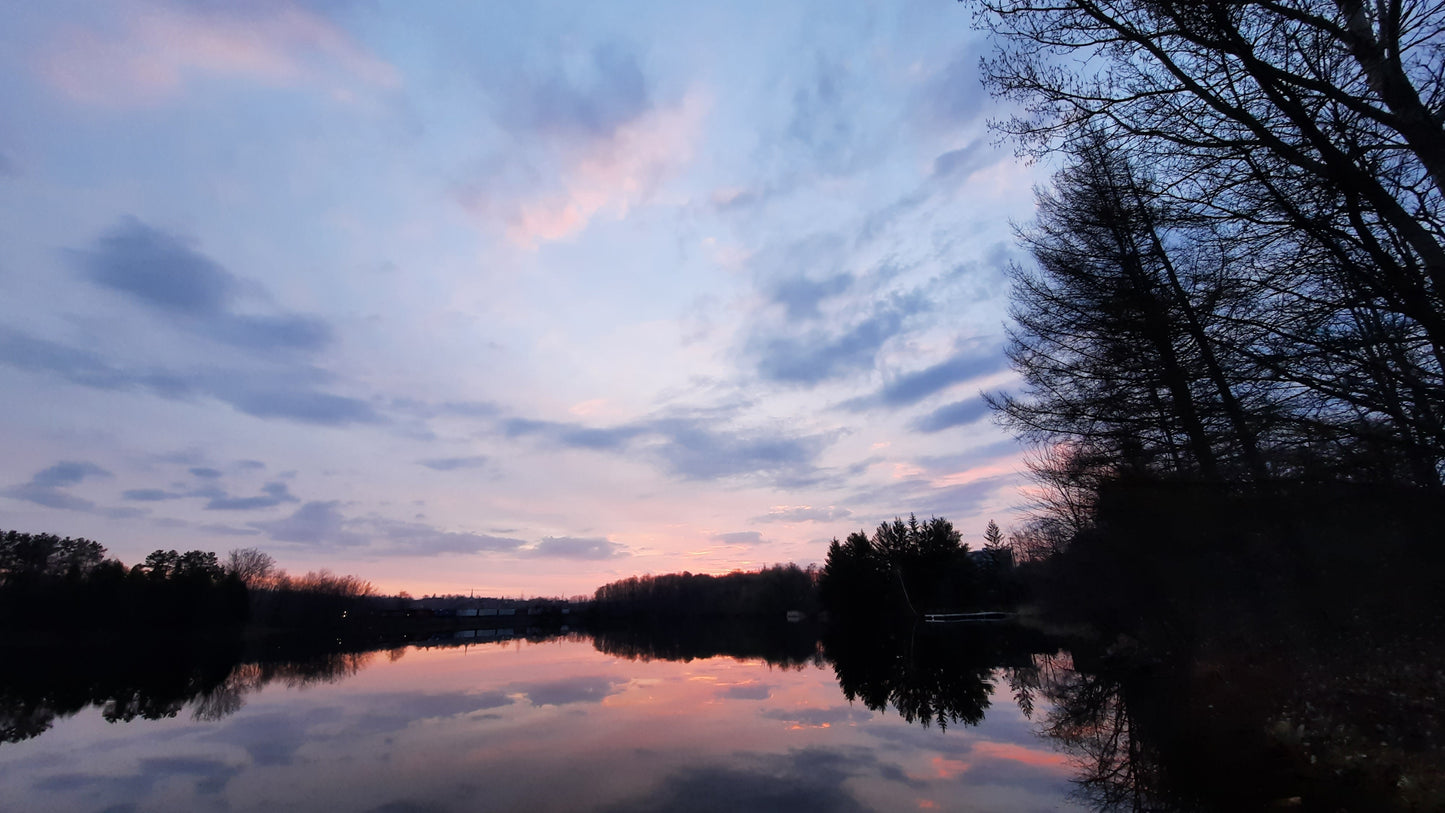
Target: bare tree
{"points": [[253, 567], [1309, 138]]}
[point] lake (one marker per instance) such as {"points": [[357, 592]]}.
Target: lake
{"points": [[630, 720]]}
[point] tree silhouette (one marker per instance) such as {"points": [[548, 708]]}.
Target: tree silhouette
{"points": [[1297, 145], [907, 567]]}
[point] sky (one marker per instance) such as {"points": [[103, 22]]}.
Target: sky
{"points": [[508, 298]]}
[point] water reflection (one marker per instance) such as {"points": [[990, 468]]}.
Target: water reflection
{"points": [[149, 680], [626, 720], [750, 717], [785, 646], [931, 674], [1216, 730]]}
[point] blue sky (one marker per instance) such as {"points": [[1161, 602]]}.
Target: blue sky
{"points": [[517, 298]]}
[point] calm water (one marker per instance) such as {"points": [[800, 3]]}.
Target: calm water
{"points": [[556, 724]]}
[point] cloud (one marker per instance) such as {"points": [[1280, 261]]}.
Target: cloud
{"points": [[584, 689], [159, 270], [607, 91], [229, 530], [449, 409], [273, 494], [945, 497], [819, 717], [953, 97], [752, 690], [78, 366], [211, 777], [589, 139], [690, 447], [949, 172], [273, 738], [825, 120], [582, 548], [323, 524], [612, 176], [1008, 449], [314, 523], [67, 473], [194, 294], [576, 436], [48, 497], [910, 388], [156, 51], [287, 394], [821, 354], [205, 472], [263, 399], [958, 413], [803, 513], [746, 538], [45, 489], [964, 161], [454, 463], [165, 273], [698, 452], [389, 712], [801, 295], [418, 539], [800, 781]]}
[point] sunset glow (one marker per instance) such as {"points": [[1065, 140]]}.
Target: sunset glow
{"points": [[505, 300]]}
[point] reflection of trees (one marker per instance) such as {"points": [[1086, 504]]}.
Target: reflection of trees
{"points": [[1221, 732], [789, 646], [1090, 719], [149, 681], [144, 681], [930, 675]]}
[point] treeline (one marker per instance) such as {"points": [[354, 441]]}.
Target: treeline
{"points": [[772, 591], [905, 569], [48, 582], [910, 568], [1239, 271]]}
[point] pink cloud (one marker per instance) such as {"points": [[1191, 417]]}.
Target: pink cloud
{"points": [[154, 50], [604, 176], [946, 768], [1023, 754], [987, 471]]}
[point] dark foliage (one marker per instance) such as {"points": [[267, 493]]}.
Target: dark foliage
{"points": [[931, 675], [1288, 717], [49, 582], [788, 646], [771, 592], [143, 678], [905, 568], [1240, 269], [1172, 561]]}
